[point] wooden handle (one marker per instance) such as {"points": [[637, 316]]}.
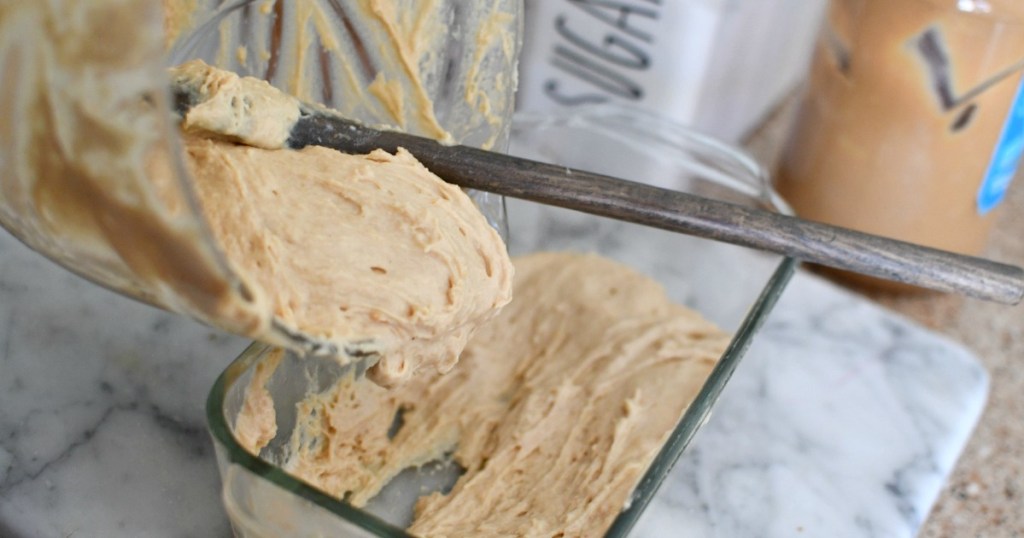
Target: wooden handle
{"points": [[676, 211]]}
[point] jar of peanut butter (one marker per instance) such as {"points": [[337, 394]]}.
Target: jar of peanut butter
{"points": [[912, 126]]}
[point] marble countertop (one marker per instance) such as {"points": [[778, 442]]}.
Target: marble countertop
{"points": [[843, 420]]}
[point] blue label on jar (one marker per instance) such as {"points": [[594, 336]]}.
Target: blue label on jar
{"points": [[1006, 158]]}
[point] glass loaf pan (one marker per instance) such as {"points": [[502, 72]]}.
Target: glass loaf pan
{"points": [[734, 287]]}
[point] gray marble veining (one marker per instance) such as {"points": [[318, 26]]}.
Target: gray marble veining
{"points": [[102, 431], [843, 420]]}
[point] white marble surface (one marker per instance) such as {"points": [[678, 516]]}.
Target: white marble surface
{"points": [[842, 420]]}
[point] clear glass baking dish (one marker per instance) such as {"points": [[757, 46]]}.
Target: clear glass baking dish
{"points": [[732, 286]]}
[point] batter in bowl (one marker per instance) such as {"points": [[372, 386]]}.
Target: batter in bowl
{"points": [[93, 177]]}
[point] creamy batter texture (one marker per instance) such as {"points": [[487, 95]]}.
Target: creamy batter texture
{"points": [[555, 410], [239, 109], [372, 251], [368, 249]]}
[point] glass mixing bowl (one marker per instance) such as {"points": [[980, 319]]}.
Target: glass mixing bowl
{"points": [[732, 286], [87, 121]]}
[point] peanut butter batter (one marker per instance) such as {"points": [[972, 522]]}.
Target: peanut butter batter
{"points": [[555, 410], [373, 251], [240, 109], [369, 248]]}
